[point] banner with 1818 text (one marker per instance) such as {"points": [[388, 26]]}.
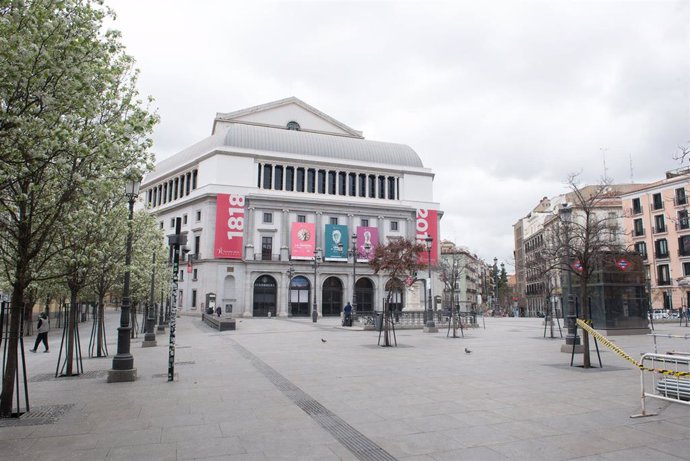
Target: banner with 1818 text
{"points": [[229, 226]]}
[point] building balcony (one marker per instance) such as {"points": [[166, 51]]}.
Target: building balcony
{"points": [[634, 211], [663, 282], [680, 201], [659, 230], [638, 233], [266, 257], [660, 255]]}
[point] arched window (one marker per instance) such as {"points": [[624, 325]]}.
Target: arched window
{"points": [[293, 126]]}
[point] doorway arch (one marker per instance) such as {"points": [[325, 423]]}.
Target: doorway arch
{"points": [[364, 295], [331, 297], [299, 297], [265, 294]]}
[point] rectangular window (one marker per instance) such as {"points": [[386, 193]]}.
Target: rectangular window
{"points": [[184, 219], [268, 176], [331, 182], [659, 224], [663, 275], [266, 248], [289, 178], [382, 187], [301, 218], [165, 193], [661, 248], [391, 188], [683, 222], [362, 185], [195, 274], [364, 222], [268, 218], [278, 183], [198, 215], [681, 198], [641, 248], [176, 185], [334, 220], [372, 186], [180, 297], [657, 202], [195, 173], [394, 226], [161, 223], [170, 191], [299, 186], [686, 269], [352, 184], [342, 183], [182, 186], [639, 229], [197, 245], [193, 298], [258, 176], [322, 181], [684, 245], [172, 223], [188, 182], [311, 180], [181, 279]]}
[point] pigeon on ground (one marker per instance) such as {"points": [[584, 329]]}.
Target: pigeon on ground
{"points": [[323, 340], [467, 351]]}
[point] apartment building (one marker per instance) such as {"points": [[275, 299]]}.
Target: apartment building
{"points": [[657, 227]]}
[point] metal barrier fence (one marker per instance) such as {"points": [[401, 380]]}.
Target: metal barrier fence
{"points": [[664, 377], [659, 335], [411, 319]]}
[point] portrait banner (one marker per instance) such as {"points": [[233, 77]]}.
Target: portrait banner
{"points": [[335, 243], [302, 240], [367, 241], [229, 238]]}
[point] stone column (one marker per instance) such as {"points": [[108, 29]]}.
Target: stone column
{"points": [[285, 236], [249, 235]]}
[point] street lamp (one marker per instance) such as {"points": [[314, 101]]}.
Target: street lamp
{"points": [[123, 363], [314, 311], [150, 336], [430, 325], [571, 338], [290, 273]]}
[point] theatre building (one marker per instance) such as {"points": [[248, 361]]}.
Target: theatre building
{"points": [[282, 202]]}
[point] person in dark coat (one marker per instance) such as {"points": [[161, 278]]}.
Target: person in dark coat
{"points": [[347, 315], [218, 311]]}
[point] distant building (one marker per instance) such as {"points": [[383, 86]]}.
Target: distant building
{"points": [[658, 228], [275, 188], [466, 295]]}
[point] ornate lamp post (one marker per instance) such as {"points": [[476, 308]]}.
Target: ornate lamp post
{"points": [[150, 336], [123, 363], [314, 311], [430, 324], [290, 273], [565, 213]]}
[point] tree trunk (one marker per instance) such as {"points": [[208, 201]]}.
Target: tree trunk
{"points": [[584, 315], [12, 343], [72, 319], [100, 326]]}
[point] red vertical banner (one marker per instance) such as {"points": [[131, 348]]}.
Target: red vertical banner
{"points": [[427, 226], [303, 240], [229, 226]]}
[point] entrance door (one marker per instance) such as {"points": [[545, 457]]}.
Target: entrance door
{"points": [[364, 295], [332, 297], [299, 297], [265, 291]]}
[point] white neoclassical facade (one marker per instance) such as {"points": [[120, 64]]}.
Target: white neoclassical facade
{"points": [[277, 186]]}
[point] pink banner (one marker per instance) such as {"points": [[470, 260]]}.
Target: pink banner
{"points": [[427, 226], [367, 241], [229, 226], [303, 240]]}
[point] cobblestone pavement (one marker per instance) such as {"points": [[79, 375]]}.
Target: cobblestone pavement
{"points": [[293, 390]]}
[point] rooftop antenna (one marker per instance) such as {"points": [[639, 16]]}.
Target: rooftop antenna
{"points": [[603, 155], [632, 177]]}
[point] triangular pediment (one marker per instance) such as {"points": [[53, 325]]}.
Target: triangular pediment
{"points": [[279, 114]]}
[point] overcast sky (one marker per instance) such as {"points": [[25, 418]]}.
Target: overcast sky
{"points": [[501, 99]]}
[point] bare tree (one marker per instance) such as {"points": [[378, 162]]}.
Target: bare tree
{"points": [[400, 260], [585, 233], [452, 267]]}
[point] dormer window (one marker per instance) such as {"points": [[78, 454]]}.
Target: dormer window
{"points": [[294, 126]]}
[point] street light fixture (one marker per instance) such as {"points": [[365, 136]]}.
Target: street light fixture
{"points": [[123, 363], [290, 273], [314, 311], [430, 324]]}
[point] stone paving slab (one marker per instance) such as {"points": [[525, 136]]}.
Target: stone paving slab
{"points": [[290, 389]]}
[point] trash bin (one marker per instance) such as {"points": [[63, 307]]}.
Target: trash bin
{"points": [[379, 321]]}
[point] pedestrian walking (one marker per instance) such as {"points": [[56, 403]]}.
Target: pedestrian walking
{"points": [[42, 328], [347, 315]]}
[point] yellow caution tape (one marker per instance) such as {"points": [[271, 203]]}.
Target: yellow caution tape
{"points": [[604, 340]]}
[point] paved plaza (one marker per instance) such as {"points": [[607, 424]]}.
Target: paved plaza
{"points": [[294, 390]]}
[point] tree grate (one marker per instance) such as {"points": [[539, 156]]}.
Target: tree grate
{"points": [[191, 362], [48, 414], [357, 443], [43, 377]]}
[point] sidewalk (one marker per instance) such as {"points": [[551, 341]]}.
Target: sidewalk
{"points": [[291, 389]]}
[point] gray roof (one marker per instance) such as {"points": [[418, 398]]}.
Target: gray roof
{"points": [[261, 138]]}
